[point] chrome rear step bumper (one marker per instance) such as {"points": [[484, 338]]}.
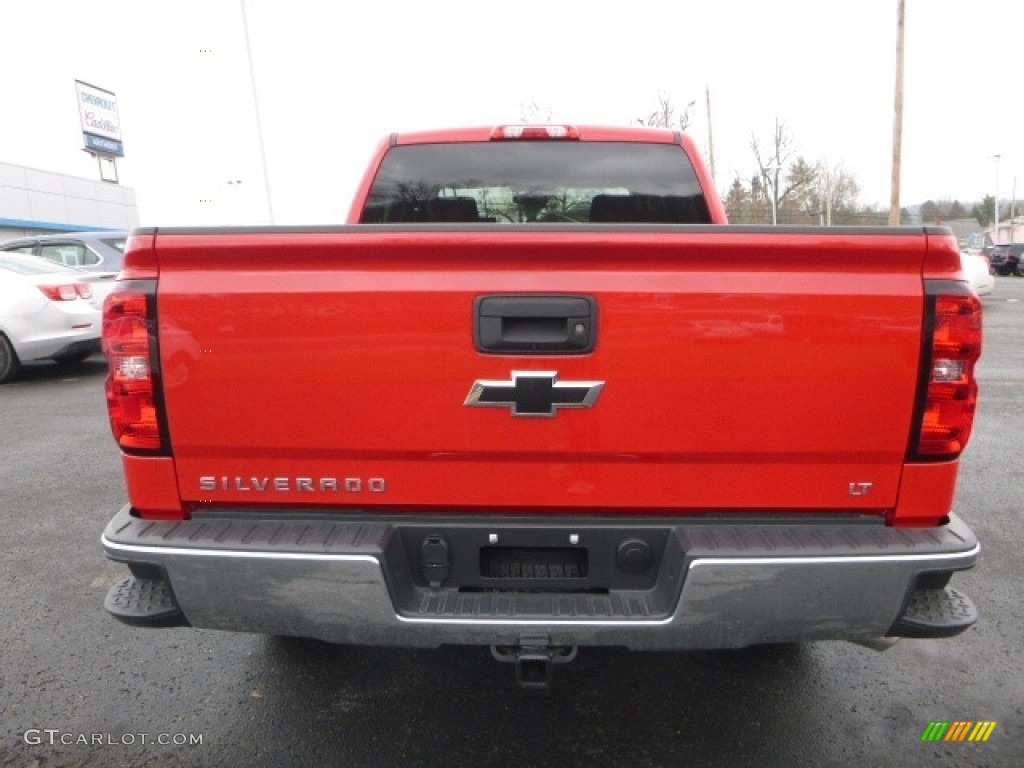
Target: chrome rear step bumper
{"points": [[724, 583]]}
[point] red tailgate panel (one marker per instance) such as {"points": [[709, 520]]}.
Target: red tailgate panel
{"points": [[741, 370]]}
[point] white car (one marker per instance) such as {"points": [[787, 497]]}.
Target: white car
{"points": [[978, 272], [100, 255], [47, 312]]}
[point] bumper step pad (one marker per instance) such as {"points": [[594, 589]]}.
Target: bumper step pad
{"points": [[144, 603], [935, 613]]}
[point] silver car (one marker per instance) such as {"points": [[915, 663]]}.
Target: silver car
{"points": [[100, 254], [47, 312], [92, 251]]}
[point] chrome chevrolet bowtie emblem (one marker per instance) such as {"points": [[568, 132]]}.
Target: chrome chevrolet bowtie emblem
{"points": [[534, 393]]}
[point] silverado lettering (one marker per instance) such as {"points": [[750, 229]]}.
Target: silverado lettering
{"points": [[747, 435], [282, 484]]}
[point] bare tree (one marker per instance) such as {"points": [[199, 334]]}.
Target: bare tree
{"points": [[665, 116], [801, 192], [534, 114], [788, 188], [772, 165], [829, 193]]}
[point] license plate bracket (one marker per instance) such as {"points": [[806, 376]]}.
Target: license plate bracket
{"points": [[533, 563]]}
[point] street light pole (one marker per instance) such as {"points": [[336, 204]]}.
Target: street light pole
{"points": [[256, 105], [236, 188]]}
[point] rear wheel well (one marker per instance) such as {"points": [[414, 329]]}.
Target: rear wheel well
{"points": [[9, 362], [70, 358]]}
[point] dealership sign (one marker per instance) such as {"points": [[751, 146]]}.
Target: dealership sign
{"points": [[101, 126]]}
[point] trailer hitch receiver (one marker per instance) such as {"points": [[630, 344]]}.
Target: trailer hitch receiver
{"points": [[535, 658]]}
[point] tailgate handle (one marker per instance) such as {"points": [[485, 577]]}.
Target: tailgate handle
{"points": [[535, 324]]}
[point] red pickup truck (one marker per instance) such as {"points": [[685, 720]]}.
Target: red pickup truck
{"points": [[536, 394]]}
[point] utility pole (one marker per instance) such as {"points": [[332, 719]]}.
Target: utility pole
{"points": [[897, 122]]}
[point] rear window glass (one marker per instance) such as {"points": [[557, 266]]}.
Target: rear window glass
{"points": [[69, 254], [30, 248], [527, 182]]}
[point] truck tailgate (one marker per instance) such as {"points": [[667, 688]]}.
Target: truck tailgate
{"points": [[741, 369]]}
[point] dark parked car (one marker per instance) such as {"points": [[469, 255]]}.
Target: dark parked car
{"points": [[92, 251], [1006, 258]]}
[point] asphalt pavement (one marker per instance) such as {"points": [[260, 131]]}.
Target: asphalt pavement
{"points": [[79, 689]]}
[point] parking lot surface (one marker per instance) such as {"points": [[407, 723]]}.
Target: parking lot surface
{"points": [[79, 689]]}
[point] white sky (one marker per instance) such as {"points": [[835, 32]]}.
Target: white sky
{"points": [[333, 78]]}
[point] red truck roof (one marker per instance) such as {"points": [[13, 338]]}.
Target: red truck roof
{"points": [[583, 133]]}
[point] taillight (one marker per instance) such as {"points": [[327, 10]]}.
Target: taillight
{"points": [[533, 132], [66, 292], [129, 343], [948, 390]]}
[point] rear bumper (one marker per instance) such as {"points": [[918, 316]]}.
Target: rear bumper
{"points": [[85, 346], [710, 584], [59, 345]]}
